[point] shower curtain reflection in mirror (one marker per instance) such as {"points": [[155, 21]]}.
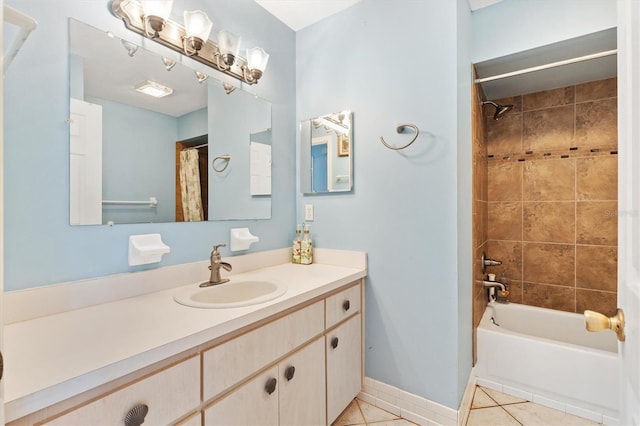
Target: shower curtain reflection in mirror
{"points": [[190, 185]]}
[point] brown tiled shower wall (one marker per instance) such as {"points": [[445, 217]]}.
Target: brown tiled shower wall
{"points": [[550, 203]]}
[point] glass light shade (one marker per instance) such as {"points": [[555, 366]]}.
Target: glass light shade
{"points": [[228, 43], [159, 8], [197, 24], [257, 59]]}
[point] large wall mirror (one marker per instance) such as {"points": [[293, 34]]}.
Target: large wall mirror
{"points": [[137, 158], [326, 153]]}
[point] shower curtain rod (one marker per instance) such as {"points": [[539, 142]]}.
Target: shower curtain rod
{"points": [[196, 147], [547, 66]]}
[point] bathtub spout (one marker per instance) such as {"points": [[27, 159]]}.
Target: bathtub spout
{"points": [[501, 296], [494, 284]]}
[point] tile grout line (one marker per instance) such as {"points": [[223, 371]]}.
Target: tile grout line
{"points": [[512, 416]]}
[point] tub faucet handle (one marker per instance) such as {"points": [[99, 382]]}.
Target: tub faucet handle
{"points": [[595, 321], [485, 261]]}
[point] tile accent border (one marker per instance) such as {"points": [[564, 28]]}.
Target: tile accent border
{"points": [[415, 408], [547, 402]]}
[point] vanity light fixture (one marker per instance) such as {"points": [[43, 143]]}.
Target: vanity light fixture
{"points": [[229, 44], [150, 18], [153, 88], [154, 15], [257, 60], [197, 27]]}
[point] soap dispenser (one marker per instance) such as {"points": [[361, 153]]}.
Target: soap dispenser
{"points": [[306, 248], [296, 249]]}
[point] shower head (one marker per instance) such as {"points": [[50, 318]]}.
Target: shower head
{"points": [[500, 109]]}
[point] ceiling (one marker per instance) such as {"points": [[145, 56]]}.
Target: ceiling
{"points": [[110, 73], [298, 14]]}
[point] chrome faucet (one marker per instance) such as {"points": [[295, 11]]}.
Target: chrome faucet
{"points": [[502, 295], [216, 264], [494, 284]]}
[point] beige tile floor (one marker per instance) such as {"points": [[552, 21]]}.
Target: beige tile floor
{"points": [[360, 413], [492, 408], [489, 408]]}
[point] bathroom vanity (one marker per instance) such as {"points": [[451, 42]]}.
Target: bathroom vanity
{"points": [[294, 360]]}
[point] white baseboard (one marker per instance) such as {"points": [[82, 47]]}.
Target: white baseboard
{"points": [[415, 408]]}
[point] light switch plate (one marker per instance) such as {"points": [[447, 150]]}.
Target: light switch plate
{"points": [[308, 212]]}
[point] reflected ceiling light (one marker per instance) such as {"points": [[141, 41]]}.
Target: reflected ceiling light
{"points": [[168, 63], [154, 15], [197, 27], [131, 48], [228, 88], [201, 76], [153, 88], [150, 18]]}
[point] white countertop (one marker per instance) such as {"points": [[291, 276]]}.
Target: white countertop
{"points": [[51, 358]]}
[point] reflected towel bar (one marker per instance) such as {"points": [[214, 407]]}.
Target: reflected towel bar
{"points": [[151, 202], [225, 158]]}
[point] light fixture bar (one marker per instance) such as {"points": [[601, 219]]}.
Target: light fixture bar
{"points": [[172, 35]]}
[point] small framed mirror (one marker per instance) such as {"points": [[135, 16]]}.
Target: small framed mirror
{"points": [[326, 153]]}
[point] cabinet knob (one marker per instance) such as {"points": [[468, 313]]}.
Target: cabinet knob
{"points": [[346, 305], [135, 416], [289, 372], [270, 387], [334, 342]]}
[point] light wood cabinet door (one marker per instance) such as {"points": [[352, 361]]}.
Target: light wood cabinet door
{"points": [[254, 403], [344, 366], [168, 394], [302, 387]]}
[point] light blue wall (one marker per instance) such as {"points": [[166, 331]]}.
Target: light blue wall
{"points": [[40, 245], [515, 25], [465, 201], [193, 124], [230, 134], [145, 156], [397, 62]]}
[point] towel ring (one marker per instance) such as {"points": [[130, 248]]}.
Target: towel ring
{"points": [[225, 158], [400, 129]]}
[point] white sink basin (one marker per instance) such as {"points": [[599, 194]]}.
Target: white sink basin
{"points": [[230, 295]]}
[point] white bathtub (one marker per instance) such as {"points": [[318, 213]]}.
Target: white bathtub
{"points": [[547, 356]]}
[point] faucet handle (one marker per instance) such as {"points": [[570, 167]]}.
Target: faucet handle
{"points": [[215, 248]]}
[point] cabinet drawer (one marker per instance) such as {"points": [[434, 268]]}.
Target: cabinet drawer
{"points": [[231, 362], [169, 394], [343, 304]]}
